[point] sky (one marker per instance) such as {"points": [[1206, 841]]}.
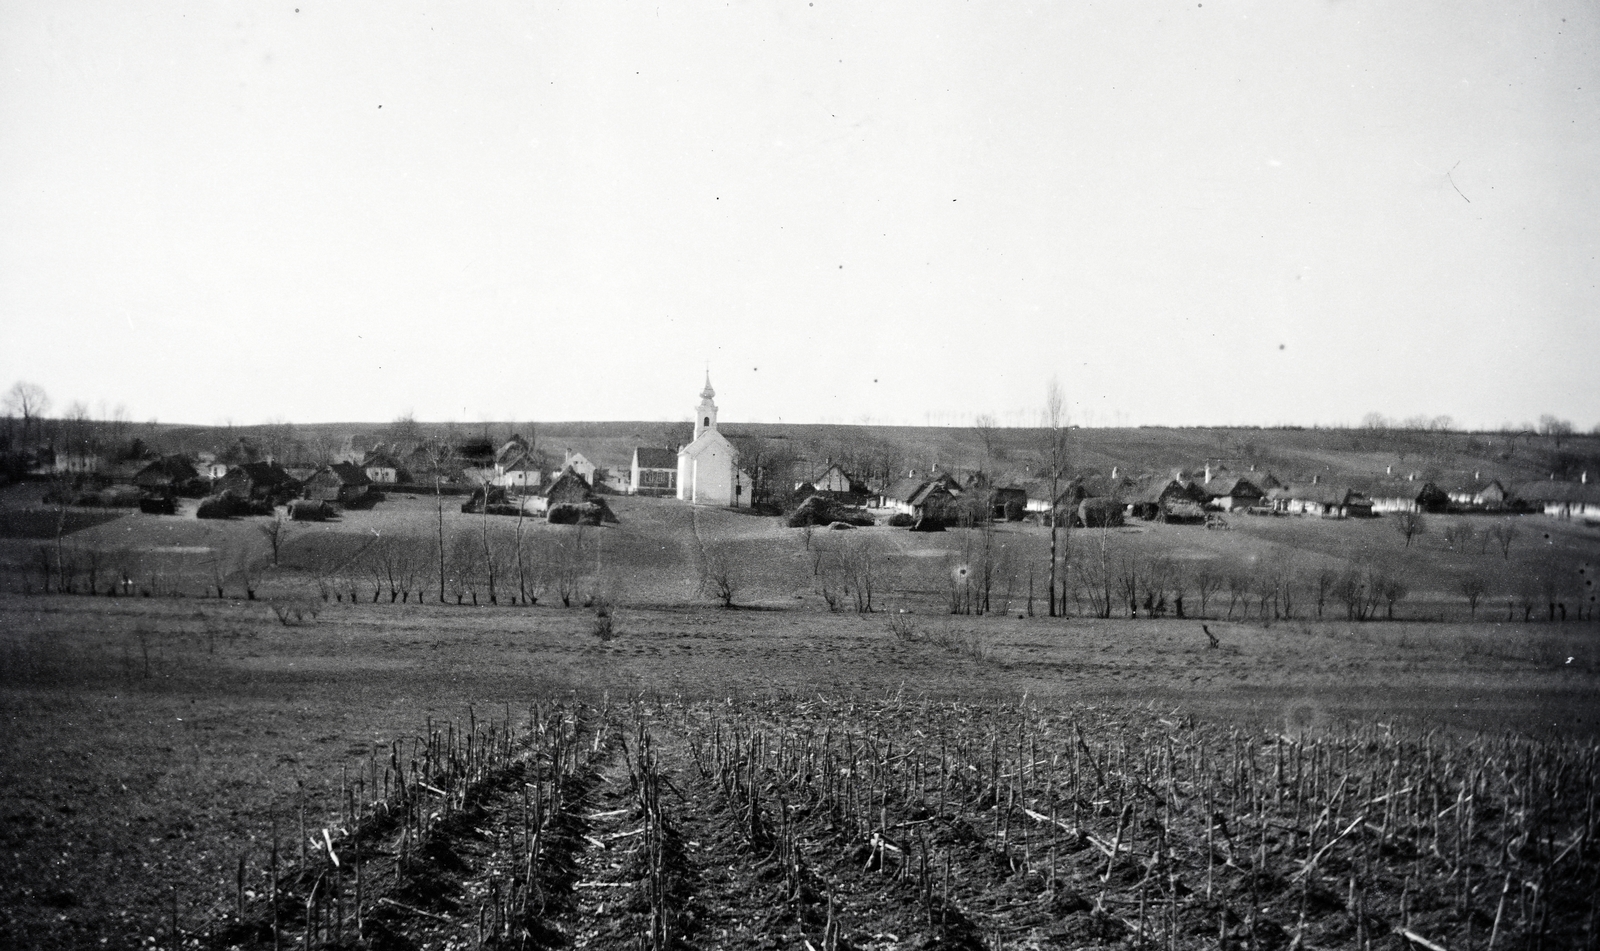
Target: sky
{"points": [[900, 212]]}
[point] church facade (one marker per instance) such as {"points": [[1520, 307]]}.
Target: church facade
{"points": [[708, 467]]}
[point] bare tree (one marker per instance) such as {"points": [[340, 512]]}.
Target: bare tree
{"points": [[28, 400], [1410, 525], [1504, 534], [1472, 587], [987, 428], [276, 532], [719, 576], [441, 454], [1054, 417], [1207, 581], [1458, 535]]}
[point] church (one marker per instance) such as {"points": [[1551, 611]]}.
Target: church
{"points": [[708, 467]]}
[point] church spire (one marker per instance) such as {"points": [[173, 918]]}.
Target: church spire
{"points": [[705, 416]]}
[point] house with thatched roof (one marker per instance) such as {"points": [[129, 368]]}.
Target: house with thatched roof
{"points": [[382, 467], [519, 469], [1322, 499], [835, 483], [257, 482], [1229, 493], [1404, 495], [569, 485], [1562, 499], [653, 471], [168, 475], [1165, 500], [1478, 494], [344, 483], [912, 494]]}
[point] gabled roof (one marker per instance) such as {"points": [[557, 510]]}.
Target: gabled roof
{"points": [[512, 446], [1409, 489], [349, 473], [903, 490], [261, 473], [1323, 493], [1230, 487], [1550, 491], [1156, 490], [652, 457], [167, 469], [520, 462], [930, 489], [1478, 486]]}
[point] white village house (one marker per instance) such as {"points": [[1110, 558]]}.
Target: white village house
{"points": [[708, 467]]}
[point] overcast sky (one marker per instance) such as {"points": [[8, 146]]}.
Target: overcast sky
{"points": [[890, 212]]}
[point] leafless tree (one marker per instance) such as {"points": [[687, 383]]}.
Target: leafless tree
{"points": [[1410, 525], [30, 401], [1504, 534], [1207, 581], [277, 532], [1322, 586], [719, 574], [441, 454], [1458, 536], [1472, 586], [1055, 417], [987, 428]]}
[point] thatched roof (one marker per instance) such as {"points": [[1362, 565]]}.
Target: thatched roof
{"points": [[1550, 491], [1230, 487], [1322, 493]]}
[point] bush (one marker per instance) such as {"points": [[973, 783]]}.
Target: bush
{"points": [[901, 520], [819, 510], [215, 506], [1095, 513]]}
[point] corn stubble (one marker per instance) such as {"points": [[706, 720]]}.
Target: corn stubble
{"points": [[831, 824]]}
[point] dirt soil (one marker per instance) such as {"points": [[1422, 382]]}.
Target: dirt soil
{"points": [[149, 745]]}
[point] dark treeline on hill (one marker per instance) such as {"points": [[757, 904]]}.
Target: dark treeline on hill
{"points": [[1009, 454]]}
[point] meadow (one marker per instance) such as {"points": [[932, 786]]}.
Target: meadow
{"points": [[784, 771]]}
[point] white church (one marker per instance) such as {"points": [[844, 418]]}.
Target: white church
{"points": [[708, 467]]}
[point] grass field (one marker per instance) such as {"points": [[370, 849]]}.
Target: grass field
{"points": [[165, 736]]}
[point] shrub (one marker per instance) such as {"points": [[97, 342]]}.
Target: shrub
{"points": [[819, 510], [901, 520], [1096, 513], [309, 510], [215, 506]]}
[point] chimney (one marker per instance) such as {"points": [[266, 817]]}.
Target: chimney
{"points": [[1411, 477], [1252, 467], [1388, 470], [1208, 472], [1477, 474], [1113, 472], [1314, 478]]}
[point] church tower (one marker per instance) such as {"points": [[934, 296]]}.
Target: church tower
{"points": [[705, 415]]}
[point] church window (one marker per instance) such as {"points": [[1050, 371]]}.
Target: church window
{"points": [[706, 422]]}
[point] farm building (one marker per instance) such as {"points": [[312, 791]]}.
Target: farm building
{"points": [[1230, 493], [343, 482], [1166, 500], [835, 483], [1562, 499], [382, 468], [1405, 495], [168, 475], [1488, 496], [568, 486], [708, 467], [579, 464], [258, 481], [653, 471], [1322, 499], [519, 469], [904, 494]]}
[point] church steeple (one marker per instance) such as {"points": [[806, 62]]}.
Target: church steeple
{"points": [[705, 416]]}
